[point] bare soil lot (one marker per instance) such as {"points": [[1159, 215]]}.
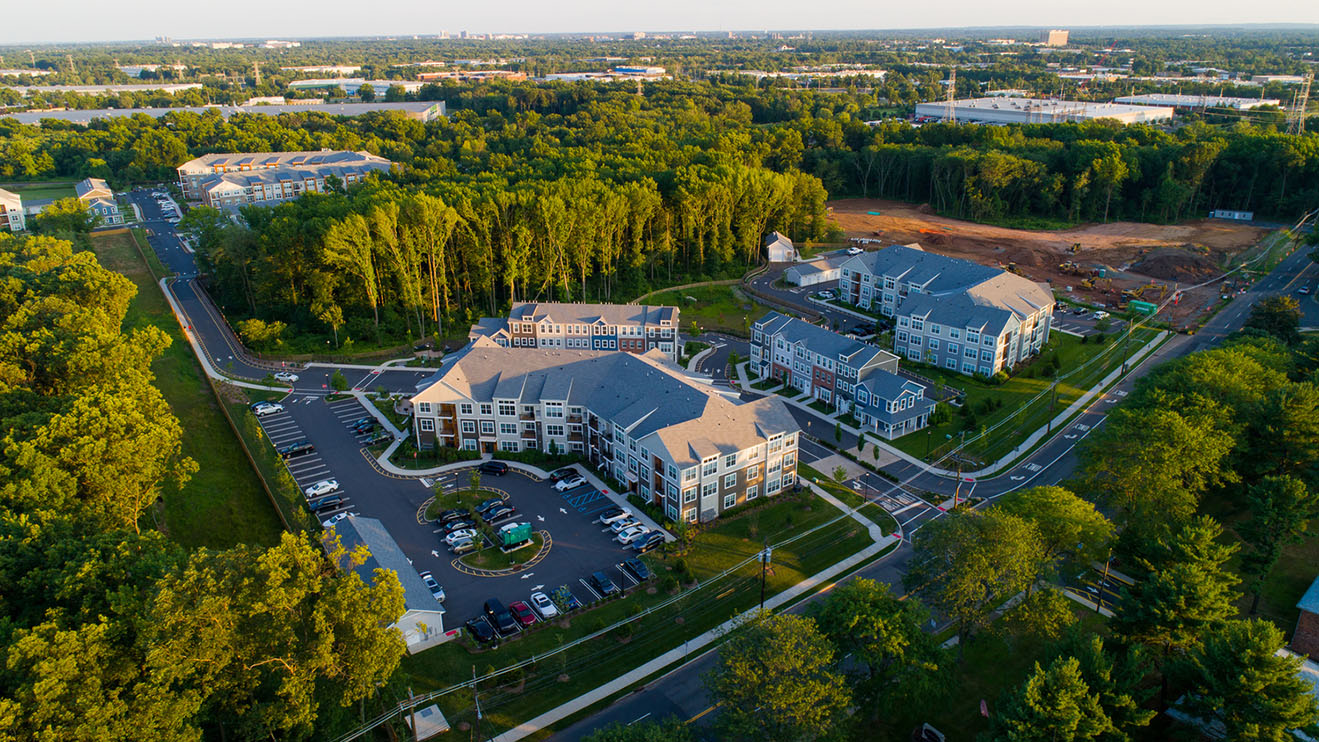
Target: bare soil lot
{"points": [[1131, 254]]}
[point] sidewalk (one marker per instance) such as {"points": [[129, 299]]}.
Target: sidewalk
{"points": [[1079, 404], [698, 643]]}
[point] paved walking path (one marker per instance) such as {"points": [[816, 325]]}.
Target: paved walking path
{"points": [[698, 643]]}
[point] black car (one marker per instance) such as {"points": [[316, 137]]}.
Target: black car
{"points": [[562, 474], [458, 525], [501, 617], [450, 515], [637, 569], [301, 448], [364, 427], [481, 629], [497, 468], [499, 513], [602, 584], [326, 503], [649, 541]]}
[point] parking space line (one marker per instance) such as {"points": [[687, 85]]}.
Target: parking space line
{"points": [[589, 589]]}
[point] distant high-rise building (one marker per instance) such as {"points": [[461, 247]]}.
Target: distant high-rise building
{"points": [[1054, 37]]}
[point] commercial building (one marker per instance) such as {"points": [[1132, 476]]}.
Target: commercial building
{"points": [[169, 88], [999, 110], [421, 111], [353, 85], [136, 70], [953, 313], [1284, 79], [1197, 101], [422, 622], [99, 199], [324, 69], [231, 180], [1054, 37], [20, 73], [11, 212], [471, 75], [820, 270], [631, 328], [667, 436]]}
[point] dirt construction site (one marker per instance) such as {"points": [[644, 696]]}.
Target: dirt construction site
{"points": [[1103, 264]]}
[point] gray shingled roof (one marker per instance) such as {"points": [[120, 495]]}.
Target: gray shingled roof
{"points": [[205, 163], [645, 393], [1310, 601], [889, 387], [385, 554], [936, 274], [819, 340], [613, 314]]}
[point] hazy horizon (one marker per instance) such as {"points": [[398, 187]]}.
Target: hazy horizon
{"points": [[80, 21]]}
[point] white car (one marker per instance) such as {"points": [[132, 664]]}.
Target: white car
{"points": [[631, 534], [541, 603], [826, 294], [1100, 315], [432, 585], [854, 251], [570, 483], [335, 519], [619, 526], [323, 487], [286, 376], [460, 535], [621, 514], [261, 409]]}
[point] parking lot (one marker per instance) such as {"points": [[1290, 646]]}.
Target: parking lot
{"points": [[578, 545]]}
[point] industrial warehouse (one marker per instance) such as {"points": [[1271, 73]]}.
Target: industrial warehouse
{"points": [[1197, 101], [1038, 111]]}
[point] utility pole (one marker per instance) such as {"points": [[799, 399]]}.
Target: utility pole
{"points": [[764, 565], [1296, 117], [476, 701], [72, 68], [1053, 400], [1099, 595], [949, 110], [412, 698]]}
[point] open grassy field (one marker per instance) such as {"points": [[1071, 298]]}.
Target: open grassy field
{"points": [[223, 504], [714, 308], [43, 191]]}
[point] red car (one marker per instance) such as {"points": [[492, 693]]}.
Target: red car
{"points": [[522, 612]]}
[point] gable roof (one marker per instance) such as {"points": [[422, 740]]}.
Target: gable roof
{"points": [[385, 553], [819, 340], [1310, 600], [585, 314], [92, 187]]}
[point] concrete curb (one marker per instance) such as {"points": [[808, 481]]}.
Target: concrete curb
{"points": [[200, 351]]}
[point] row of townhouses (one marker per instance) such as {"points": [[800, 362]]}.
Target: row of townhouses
{"points": [[956, 314], [849, 375], [631, 328], [232, 180], [95, 194], [669, 437]]}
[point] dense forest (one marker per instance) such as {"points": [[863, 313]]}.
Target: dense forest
{"points": [[111, 630]]}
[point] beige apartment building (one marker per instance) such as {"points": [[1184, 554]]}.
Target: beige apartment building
{"points": [[232, 180], [631, 328], [11, 212]]}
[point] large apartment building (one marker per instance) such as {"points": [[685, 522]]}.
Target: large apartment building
{"points": [[849, 375], [11, 212], [632, 328], [667, 436], [232, 180], [956, 314]]}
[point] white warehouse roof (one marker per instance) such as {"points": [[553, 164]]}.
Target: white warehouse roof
{"points": [[1197, 101], [1041, 111]]}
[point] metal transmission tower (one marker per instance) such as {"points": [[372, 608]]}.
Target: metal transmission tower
{"points": [[950, 110], [256, 72], [1296, 117]]}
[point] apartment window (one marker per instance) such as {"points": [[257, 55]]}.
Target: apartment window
{"points": [[673, 472], [934, 343], [730, 500], [487, 427], [465, 408], [775, 444], [487, 408], [575, 411], [972, 336], [469, 444], [427, 425], [772, 487], [753, 492], [469, 426], [673, 492], [709, 467], [553, 409], [423, 408], [989, 340], [508, 429], [672, 512], [507, 409], [730, 480], [902, 336], [950, 363], [954, 333], [709, 489], [689, 474], [554, 430], [689, 495], [730, 461], [689, 515], [752, 472], [508, 445], [934, 329], [788, 461]]}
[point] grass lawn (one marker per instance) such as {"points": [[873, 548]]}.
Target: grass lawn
{"points": [[850, 498], [41, 192], [1009, 397], [556, 679], [767, 385], [493, 558], [224, 503], [386, 406], [714, 308]]}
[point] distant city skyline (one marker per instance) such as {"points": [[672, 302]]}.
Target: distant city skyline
{"points": [[79, 21]]}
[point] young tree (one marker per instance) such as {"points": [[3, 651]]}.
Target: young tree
{"points": [[1279, 316], [669, 730], [775, 681], [1281, 509], [1236, 678], [1054, 704], [964, 564]]}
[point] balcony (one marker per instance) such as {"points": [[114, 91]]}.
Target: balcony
{"points": [[527, 416], [528, 435]]}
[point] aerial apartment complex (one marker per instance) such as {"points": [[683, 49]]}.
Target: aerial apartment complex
{"points": [[97, 195], [632, 328], [953, 313], [232, 180], [849, 375], [11, 212], [667, 436]]}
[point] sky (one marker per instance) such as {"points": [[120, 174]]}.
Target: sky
{"points": [[55, 21]]}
